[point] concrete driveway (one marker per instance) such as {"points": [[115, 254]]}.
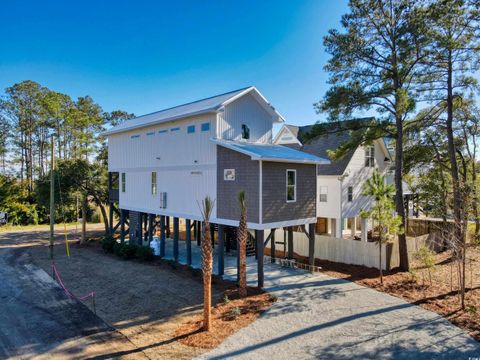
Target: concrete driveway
{"points": [[37, 319], [319, 317]]}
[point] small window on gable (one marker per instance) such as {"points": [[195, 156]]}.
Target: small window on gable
{"points": [[323, 194], [350, 194], [205, 127], [175, 129], [154, 183], [162, 131], [370, 156], [291, 185], [151, 133], [245, 132], [123, 182], [191, 129], [134, 136]]}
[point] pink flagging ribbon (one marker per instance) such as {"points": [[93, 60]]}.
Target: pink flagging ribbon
{"points": [[92, 294]]}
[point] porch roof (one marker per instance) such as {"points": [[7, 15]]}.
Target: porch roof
{"points": [[271, 152]]}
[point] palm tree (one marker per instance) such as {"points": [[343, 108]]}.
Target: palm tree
{"points": [[242, 235], [206, 208], [382, 211]]}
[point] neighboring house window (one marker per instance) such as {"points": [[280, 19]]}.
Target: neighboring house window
{"points": [[245, 132], [162, 131], [370, 156], [154, 183], [323, 194], [191, 129], [134, 136], [350, 194], [123, 182], [175, 129], [205, 127], [291, 185], [151, 133]]}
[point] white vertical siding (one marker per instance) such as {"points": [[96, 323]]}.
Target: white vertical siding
{"points": [[185, 189], [245, 110], [358, 173], [331, 208], [185, 164], [170, 148]]}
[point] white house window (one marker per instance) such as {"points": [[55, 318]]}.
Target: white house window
{"points": [[350, 194], [245, 132], [123, 182], [370, 156], [291, 185], [323, 194], [154, 183], [229, 174], [205, 127], [191, 129]]}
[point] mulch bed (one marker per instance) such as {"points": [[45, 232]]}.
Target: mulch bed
{"points": [[228, 317], [440, 296]]}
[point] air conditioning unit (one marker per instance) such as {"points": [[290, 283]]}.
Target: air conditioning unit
{"points": [[163, 200]]}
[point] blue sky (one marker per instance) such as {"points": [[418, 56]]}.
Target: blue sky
{"points": [[142, 56]]}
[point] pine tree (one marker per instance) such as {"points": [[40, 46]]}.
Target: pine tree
{"points": [[373, 66]]}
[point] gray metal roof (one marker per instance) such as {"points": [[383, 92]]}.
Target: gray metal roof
{"points": [[271, 152], [207, 105]]}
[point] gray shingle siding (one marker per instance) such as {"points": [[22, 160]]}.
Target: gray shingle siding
{"points": [[246, 178], [275, 206]]}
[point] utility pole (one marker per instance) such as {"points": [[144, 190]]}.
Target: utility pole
{"points": [[52, 196]]}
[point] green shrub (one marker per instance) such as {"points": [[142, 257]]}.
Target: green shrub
{"points": [[128, 251], [144, 253], [108, 244], [118, 248], [235, 312]]}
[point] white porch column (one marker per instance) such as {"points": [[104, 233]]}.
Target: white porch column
{"points": [[339, 228], [333, 227], [364, 229], [354, 226]]}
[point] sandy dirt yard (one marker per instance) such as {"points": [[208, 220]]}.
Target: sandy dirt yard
{"points": [[144, 302], [37, 319]]}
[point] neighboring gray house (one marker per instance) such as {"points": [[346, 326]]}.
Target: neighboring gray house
{"points": [[340, 183], [170, 160]]}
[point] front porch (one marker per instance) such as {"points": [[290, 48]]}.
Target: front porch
{"points": [[352, 228]]}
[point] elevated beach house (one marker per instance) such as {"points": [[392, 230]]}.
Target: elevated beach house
{"points": [[166, 162], [339, 184]]}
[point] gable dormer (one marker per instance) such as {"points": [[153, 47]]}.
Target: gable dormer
{"points": [[247, 117]]}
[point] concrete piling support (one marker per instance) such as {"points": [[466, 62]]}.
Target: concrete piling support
{"points": [[311, 244], [188, 241], [259, 236], [290, 242], [221, 249], [162, 236], [175, 239]]}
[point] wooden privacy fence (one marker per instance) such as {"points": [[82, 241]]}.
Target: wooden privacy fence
{"points": [[343, 251], [356, 252]]}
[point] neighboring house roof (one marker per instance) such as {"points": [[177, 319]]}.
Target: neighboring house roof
{"points": [[330, 140], [199, 107], [271, 152]]}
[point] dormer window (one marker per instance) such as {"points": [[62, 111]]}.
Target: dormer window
{"points": [[245, 132]]}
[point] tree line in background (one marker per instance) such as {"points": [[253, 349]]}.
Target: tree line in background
{"points": [[415, 63], [31, 115]]}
